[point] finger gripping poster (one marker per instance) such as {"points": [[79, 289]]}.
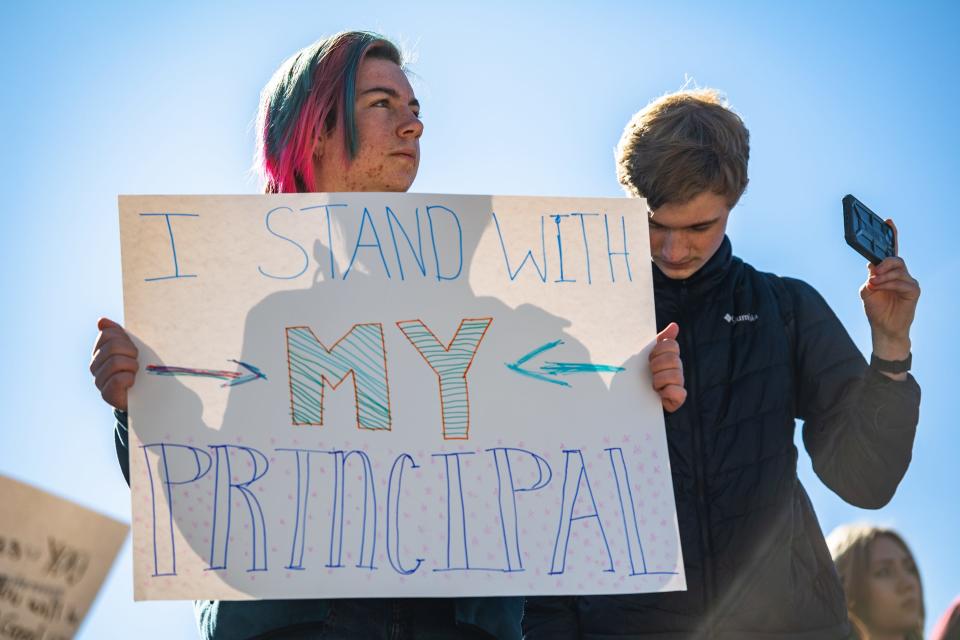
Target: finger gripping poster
{"points": [[375, 395]]}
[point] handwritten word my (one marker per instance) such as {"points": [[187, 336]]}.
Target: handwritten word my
{"points": [[361, 355]]}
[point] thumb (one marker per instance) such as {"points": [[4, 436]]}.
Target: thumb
{"points": [[106, 323], [670, 332]]}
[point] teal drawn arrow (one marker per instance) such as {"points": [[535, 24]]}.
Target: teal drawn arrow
{"points": [[550, 370]]}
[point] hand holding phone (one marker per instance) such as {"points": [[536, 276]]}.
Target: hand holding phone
{"points": [[890, 293]]}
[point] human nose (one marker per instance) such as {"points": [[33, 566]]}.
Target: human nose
{"points": [[907, 582], [411, 126], [672, 248]]}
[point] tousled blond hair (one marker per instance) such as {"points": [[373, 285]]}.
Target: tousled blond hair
{"points": [[683, 144]]}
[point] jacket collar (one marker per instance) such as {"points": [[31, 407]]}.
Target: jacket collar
{"points": [[703, 280]]}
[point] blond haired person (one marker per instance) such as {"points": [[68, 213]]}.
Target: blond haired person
{"points": [[758, 351], [881, 582]]}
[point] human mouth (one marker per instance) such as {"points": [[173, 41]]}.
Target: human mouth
{"points": [[412, 155], [674, 266]]}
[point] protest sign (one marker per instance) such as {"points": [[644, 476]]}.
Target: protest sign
{"points": [[54, 555], [372, 395]]}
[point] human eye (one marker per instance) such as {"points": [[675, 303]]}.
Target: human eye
{"points": [[702, 227]]}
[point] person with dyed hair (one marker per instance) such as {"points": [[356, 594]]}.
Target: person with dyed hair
{"points": [[337, 116], [758, 351], [309, 140], [881, 582]]}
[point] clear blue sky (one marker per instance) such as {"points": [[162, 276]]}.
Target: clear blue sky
{"points": [[107, 98]]}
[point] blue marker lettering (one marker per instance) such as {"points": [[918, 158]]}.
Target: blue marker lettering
{"points": [[300, 518], [507, 491], [222, 503], [393, 514], [173, 246], [306, 259], [631, 531], [417, 253], [586, 244], [542, 273], [376, 236], [556, 220], [456, 513], [568, 508], [167, 565], [326, 209], [610, 252], [433, 239], [368, 531]]}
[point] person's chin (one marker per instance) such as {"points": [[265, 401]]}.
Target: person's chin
{"points": [[911, 611], [680, 271], [399, 185], [405, 162]]}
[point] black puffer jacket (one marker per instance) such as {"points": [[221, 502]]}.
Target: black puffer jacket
{"points": [[758, 351]]}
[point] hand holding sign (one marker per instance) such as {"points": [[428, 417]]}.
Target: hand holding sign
{"points": [[667, 368], [113, 363]]}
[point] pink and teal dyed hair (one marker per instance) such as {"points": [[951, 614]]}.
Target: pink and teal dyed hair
{"points": [[314, 88]]}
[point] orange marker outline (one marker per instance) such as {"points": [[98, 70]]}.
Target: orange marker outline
{"points": [[466, 387]]}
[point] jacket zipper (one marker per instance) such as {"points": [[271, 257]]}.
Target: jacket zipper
{"points": [[699, 470]]}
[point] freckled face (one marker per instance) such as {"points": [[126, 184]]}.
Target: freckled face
{"points": [[683, 237], [893, 590], [389, 129]]}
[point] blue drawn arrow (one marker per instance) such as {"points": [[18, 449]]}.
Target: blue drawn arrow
{"points": [[550, 370], [233, 378]]}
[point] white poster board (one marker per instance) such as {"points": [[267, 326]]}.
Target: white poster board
{"points": [[373, 395], [54, 556]]}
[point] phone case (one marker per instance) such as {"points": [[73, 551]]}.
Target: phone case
{"points": [[866, 232]]}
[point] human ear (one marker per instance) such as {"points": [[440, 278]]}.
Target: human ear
{"points": [[319, 141]]}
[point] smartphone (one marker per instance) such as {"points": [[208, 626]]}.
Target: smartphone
{"points": [[866, 232]]}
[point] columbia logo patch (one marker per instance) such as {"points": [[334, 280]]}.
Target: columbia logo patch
{"points": [[746, 317]]}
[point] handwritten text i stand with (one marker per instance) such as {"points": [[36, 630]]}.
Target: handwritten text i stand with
{"points": [[431, 245]]}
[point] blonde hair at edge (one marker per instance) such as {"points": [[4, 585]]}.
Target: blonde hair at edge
{"points": [[850, 548]]}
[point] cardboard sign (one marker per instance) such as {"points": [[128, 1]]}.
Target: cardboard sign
{"points": [[373, 395], [54, 555]]}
